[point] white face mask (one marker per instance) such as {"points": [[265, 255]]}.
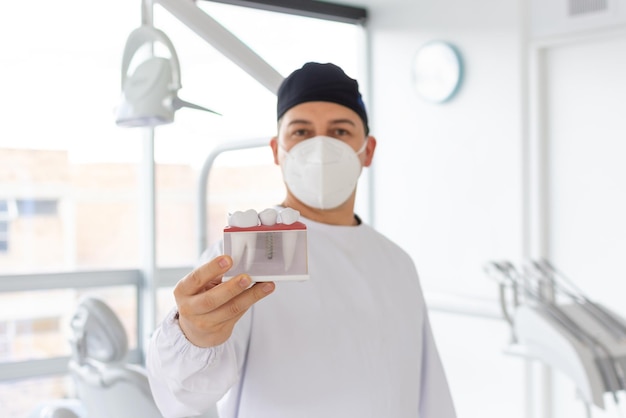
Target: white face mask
{"points": [[322, 172]]}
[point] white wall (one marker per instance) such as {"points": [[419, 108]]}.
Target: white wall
{"points": [[585, 137], [587, 141], [448, 177], [448, 182]]}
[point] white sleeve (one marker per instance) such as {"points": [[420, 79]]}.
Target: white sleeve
{"points": [[187, 380]]}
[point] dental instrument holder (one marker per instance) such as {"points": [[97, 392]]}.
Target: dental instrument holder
{"points": [[579, 338], [279, 252]]}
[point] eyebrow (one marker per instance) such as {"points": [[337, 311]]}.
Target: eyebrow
{"points": [[299, 121], [332, 122], [336, 121]]}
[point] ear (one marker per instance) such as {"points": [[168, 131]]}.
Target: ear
{"points": [[369, 151], [274, 145]]}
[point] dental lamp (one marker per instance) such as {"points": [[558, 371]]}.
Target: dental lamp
{"points": [[150, 92], [149, 95]]}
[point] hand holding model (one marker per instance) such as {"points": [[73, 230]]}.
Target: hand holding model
{"points": [[209, 309]]}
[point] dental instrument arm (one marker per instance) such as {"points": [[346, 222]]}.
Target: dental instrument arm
{"points": [[580, 338], [224, 41]]}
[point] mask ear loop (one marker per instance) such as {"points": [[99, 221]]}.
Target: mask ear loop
{"points": [[281, 147], [360, 151], [282, 153]]}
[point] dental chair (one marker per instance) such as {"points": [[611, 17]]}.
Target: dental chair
{"points": [[106, 385]]}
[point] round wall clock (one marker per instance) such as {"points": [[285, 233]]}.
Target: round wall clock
{"points": [[437, 71]]}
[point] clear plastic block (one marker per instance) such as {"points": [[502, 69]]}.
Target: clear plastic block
{"points": [[268, 253]]}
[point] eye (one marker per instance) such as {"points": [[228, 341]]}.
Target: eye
{"points": [[341, 133], [298, 134]]}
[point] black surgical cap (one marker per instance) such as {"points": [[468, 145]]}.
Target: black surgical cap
{"points": [[320, 82]]}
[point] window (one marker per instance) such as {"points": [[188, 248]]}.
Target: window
{"points": [[36, 207], [71, 174], [73, 179], [4, 226]]}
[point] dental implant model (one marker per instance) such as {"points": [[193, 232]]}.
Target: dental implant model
{"points": [[269, 246]]}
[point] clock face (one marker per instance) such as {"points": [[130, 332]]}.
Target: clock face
{"points": [[437, 71]]}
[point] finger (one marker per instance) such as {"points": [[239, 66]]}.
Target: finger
{"points": [[207, 274], [234, 308], [217, 296], [213, 328]]}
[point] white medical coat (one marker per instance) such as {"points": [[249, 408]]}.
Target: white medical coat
{"points": [[353, 341]]}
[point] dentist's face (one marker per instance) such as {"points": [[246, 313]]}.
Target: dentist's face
{"points": [[320, 176], [311, 119]]}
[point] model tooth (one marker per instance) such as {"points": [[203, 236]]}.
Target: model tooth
{"points": [[250, 239], [289, 216], [237, 246], [268, 217], [241, 242], [245, 219], [289, 247]]}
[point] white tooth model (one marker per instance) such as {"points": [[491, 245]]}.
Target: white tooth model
{"points": [[243, 241], [273, 243], [268, 217], [288, 216]]}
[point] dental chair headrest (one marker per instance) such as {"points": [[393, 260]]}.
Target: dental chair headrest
{"points": [[98, 333]]}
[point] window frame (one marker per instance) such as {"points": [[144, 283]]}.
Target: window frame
{"points": [[308, 8]]}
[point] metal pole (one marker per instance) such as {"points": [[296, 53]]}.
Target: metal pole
{"points": [[146, 295]]}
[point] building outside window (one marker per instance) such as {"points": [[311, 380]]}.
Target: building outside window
{"points": [[4, 226]]}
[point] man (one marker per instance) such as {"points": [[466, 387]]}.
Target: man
{"points": [[354, 340]]}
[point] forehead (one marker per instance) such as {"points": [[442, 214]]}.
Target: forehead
{"points": [[321, 112]]}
